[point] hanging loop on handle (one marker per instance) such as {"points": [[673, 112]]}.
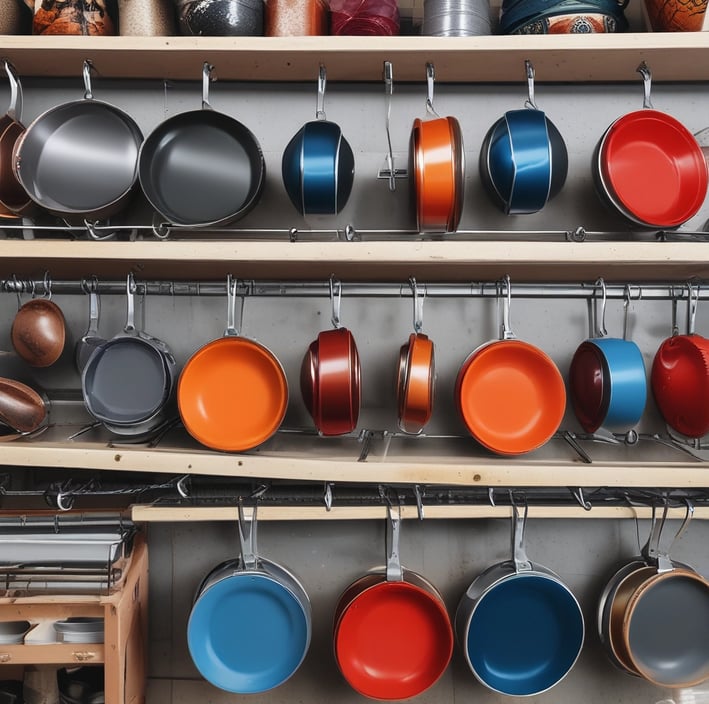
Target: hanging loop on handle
{"points": [[232, 329], [507, 332], [320, 101], [247, 537], [644, 71], [86, 72], [394, 571], [430, 82], [335, 301], [14, 111], [530, 103], [419, 294], [519, 526], [207, 77], [130, 304], [601, 330], [388, 92], [692, 300], [626, 310]]}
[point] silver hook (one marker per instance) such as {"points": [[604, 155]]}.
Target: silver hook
{"points": [[418, 494], [320, 102], [327, 496], [88, 93], [674, 297], [388, 92], [207, 77], [644, 71], [335, 301], [507, 333], [419, 294], [14, 111], [47, 285], [581, 499], [692, 299], [626, 310], [430, 81], [19, 288], [64, 503], [232, 330], [529, 68], [130, 304], [181, 488], [601, 330]]}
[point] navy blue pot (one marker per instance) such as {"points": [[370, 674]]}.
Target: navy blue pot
{"points": [[318, 169]]}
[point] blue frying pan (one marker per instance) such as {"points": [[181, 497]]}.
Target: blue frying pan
{"points": [[250, 625], [519, 626]]}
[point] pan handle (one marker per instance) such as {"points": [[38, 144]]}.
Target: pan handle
{"points": [[14, 111], [207, 70], [247, 538], [86, 72], [231, 329], [320, 101], [519, 525], [394, 572]]}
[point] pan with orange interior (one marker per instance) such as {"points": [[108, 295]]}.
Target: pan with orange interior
{"points": [[438, 168], [510, 394], [393, 638], [232, 393]]}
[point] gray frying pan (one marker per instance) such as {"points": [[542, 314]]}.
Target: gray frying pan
{"points": [[201, 167]]}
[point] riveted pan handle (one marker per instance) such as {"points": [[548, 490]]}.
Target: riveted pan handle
{"points": [[247, 537], [394, 572]]}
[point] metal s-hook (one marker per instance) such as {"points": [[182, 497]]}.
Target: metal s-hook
{"points": [[47, 286], [419, 294], [529, 68], [507, 333], [207, 77], [88, 92], [692, 300], [320, 100], [626, 310], [388, 92], [430, 84], [601, 330], [644, 71], [335, 301]]}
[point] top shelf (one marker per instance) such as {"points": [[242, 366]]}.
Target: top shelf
{"points": [[495, 59]]}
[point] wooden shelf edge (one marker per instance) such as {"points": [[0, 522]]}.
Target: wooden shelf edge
{"points": [[593, 57], [178, 514], [502, 472], [440, 260], [70, 654]]}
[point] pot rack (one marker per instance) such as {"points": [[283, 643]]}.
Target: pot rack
{"points": [[189, 498], [671, 290]]}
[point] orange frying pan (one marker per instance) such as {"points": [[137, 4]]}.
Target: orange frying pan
{"points": [[510, 394], [232, 394], [438, 168]]}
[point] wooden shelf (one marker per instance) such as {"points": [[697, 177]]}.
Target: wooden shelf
{"points": [[458, 462], [123, 652], [170, 514], [361, 261], [593, 57]]}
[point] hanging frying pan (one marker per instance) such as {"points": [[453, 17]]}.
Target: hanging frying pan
{"points": [[607, 378], [437, 165], [202, 167], [393, 638], [509, 393], [79, 160], [523, 159], [14, 200], [128, 382], [250, 625], [680, 376], [520, 627], [232, 393], [330, 375], [416, 376], [318, 163], [653, 166]]}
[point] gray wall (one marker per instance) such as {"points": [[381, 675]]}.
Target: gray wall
{"points": [[330, 555]]}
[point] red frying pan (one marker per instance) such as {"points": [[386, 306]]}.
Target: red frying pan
{"points": [[393, 638]]}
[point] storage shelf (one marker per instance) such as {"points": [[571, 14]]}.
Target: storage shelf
{"points": [[172, 514], [593, 57], [72, 654], [454, 462], [361, 261]]}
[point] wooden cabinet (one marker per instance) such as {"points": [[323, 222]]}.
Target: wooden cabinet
{"points": [[123, 652]]}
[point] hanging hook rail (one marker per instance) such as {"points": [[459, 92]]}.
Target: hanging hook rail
{"points": [[671, 290]]}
